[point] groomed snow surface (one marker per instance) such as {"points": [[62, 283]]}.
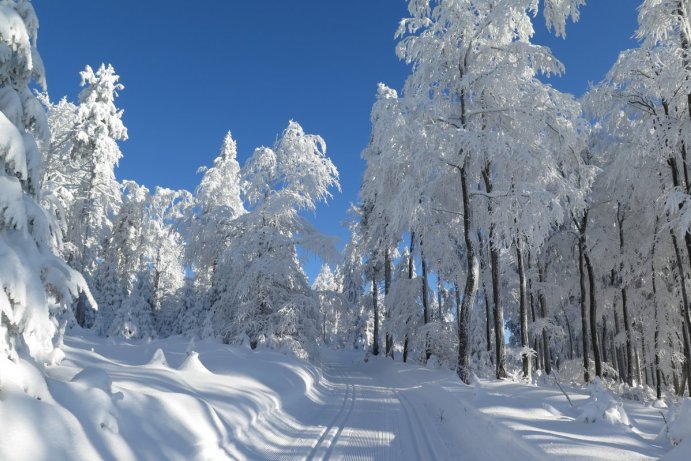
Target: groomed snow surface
{"points": [[175, 400]]}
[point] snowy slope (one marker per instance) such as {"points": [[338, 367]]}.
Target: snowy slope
{"points": [[157, 401]]}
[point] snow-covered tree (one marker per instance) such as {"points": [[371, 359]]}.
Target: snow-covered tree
{"points": [[33, 278], [134, 319], [473, 109], [218, 202], [79, 175], [263, 291], [98, 128], [330, 299]]}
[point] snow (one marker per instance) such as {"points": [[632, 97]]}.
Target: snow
{"points": [[679, 427], [603, 407], [130, 400]]}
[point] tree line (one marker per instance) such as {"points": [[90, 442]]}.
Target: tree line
{"points": [[502, 226]]}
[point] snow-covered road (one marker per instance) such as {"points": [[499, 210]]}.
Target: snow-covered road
{"points": [[384, 411], [368, 418], [157, 401]]}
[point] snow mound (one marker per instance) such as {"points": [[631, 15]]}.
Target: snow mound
{"points": [[192, 363], [94, 378], [98, 402], [602, 406], [23, 374], [659, 404], [679, 422], [638, 392], [158, 359]]}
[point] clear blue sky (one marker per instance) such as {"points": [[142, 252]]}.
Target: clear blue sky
{"points": [[196, 69]]}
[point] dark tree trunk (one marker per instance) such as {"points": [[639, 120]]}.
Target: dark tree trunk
{"points": [[593, 316], [523, 309], [488, 325], [604, 339], [685, 306], [687, 352], [410, 276], [621, 364], [568, 327], [375, 302], [537, 346], [498, 311], [387, 287], [644, 358], [624, 304], [471, 284], [582, 229], [543, 313], [485, 297], [627, 331], [425, 300], [584, 314]]}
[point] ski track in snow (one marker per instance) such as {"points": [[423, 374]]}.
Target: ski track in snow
{"points": [[238, 404], [330, 435], [424, 447]]}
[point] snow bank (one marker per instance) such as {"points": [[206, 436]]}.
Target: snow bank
{"points": [[679, 423], [97, 402], [603, 407], [115, 400], [22, 375], [637, 392], [94, 378]]}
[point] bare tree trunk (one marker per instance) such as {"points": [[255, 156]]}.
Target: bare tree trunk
{"points": [[629, 345], [387, 287], [523, 309], [471, 284], [624, 304], [375, 302], [537, 346], [410, 276], [425, 300], [604, 339], [646, 365], [638, 367], [685, 306], [498, 311], [582, 228], [488, 315], [543, 313], [687, 352], [621, 364], [584, 314], [568, 327], [593, 316]]}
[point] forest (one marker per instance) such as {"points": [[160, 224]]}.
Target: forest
{"points": [[504, 229]]}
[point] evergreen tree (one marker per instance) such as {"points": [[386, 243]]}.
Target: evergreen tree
{"points": [[33, 278]]}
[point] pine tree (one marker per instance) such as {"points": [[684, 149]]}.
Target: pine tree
{"points": [[33, 278]]}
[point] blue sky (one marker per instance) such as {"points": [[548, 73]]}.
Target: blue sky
{"points": [[194, 70]]}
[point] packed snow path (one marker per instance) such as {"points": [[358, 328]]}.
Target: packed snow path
{"points": [[158, 400], [382, 414]]}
